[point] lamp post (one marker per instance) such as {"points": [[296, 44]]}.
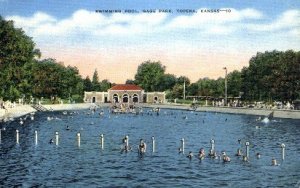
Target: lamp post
{"points": [[225, 102], [184, 89]]}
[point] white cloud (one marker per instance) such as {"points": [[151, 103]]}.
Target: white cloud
{"points": [[295, 32], [287, 20], [83, 21], [201, 19], [91, 24], [30, 24]]}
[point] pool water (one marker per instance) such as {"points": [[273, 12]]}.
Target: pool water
{"points": [[68, 165]]}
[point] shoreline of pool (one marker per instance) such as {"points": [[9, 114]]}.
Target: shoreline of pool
{"points": [[22, 110], [287, 114]]}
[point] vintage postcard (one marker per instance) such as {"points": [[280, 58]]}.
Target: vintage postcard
{"points": [[149, 93]]}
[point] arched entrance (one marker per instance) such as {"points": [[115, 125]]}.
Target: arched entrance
{"points": [[155, 99], [115, 98], [93, 99], [125, 98], [135, 98]]}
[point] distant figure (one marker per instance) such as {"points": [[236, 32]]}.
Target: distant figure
{"points": [[126, 147], [180, 150], [245, 158], [21, 121], [101, 113], [258, 155], [225, 157], [51, 141], [142, 147], [190, 155], [213, 154], [68, 128], [258, 119], [201, 154], [239, 141], [239, 152], [274, 162], [226, 119]]}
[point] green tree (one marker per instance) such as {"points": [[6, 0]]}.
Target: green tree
{"points": [[272, 76], [87, 84], [105, 85], [183, 79], [129, 81], [16, 50], [177, 91], [95, 81], [234, 80], [168, 81], [149, 75], [193, 89]]}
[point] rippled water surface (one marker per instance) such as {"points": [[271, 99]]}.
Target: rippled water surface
{"points": [[67, 165]]}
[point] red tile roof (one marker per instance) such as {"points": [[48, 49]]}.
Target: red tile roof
{"points": [[126, 87]]}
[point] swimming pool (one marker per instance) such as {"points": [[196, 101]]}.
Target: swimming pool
{"points": [[68, 165]]}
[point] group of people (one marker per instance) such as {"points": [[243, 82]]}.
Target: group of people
{"points": [[141, 147], [224, 156], [212, 154]]}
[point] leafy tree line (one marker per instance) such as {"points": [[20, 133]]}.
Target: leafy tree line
{"points": [[270, 76], [151, 76], [95, 84], [23, 74]]}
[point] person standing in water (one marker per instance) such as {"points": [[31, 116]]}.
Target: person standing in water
{"points": [[142, 147], [201, 154], [126, 146]]}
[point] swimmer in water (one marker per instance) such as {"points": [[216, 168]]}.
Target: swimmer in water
{"points": [[126, 147], [239, 141], [201, 154], [190, 155], [213, 154], [51, 141], [274, 162], [258, 155], [239, 152], [180, 150], [225, 157], [68, 128], [142, 147], [245, 158]]}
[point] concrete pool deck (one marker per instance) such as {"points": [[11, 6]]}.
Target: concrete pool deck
{"points": [[22, 110], [291, 114]]}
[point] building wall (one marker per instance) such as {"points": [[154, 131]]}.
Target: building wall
{"points": [[148, 97], [121, 94], [155, 97], [98, 96]]}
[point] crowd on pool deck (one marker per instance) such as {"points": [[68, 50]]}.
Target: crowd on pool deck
{"points": [[286, 105]]}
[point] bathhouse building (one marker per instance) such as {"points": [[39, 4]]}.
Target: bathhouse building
{"points": [[124, 93]]}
